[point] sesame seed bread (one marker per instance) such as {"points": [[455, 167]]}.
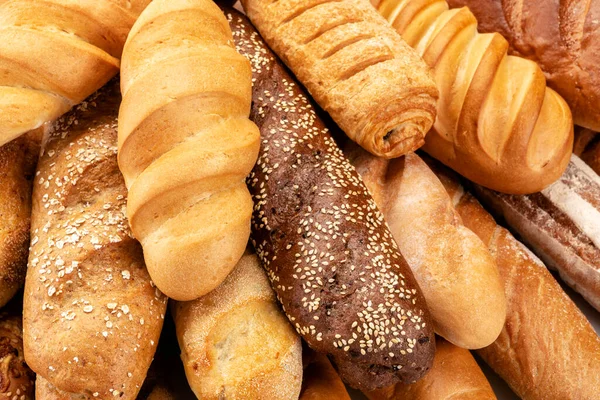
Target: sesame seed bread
{"points": [[186, 145], [92, 316], [16, 379], [17, 167], [235, 341], [455, 375], [547, 350], [355, 66], [497, 124], [320, 380], [453, 267], [330, 257], [55, 53]]}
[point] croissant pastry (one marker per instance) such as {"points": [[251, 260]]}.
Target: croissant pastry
{"points": [[186, 145], [498, 124]]}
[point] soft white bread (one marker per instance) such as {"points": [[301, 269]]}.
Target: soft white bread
{"points": [[54, 54], [547, 349], [497, 122], [453, 267], [92, 316], [455, 375], [235, 341], [186, 144]]}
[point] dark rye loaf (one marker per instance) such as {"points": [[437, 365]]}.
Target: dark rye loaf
{"points": [[329, 255]]}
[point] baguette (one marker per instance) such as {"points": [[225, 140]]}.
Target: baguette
{"points": [[54, 54], [92, 316], [330, 257], [455, 375], [355, 66], [453, 267], [186, 145], [498, 124], [547, 349], [320, 380], [235, 342], [562, 37]]}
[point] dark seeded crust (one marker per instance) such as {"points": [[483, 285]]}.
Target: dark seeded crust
{"points": [[331, 259]]}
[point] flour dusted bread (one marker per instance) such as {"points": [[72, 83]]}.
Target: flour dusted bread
{"points": [[497, 122], [330, 257], [186, 145], [562, 37], [55, 53], [89, 301], [355, 66], [453, 267], [236, 343]]}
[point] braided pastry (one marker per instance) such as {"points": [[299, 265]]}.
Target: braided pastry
{"points": [[55, 53], [498, 124], [186, 144]]}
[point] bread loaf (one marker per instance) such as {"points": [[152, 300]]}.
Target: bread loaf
{"points": [[455, 375], [587, 147], [355, 66], [320, 380], [235, 342], [89, 302], [498, 124], [562, 225], [562, 37], [547, 349], [16, 379], [453, 267], [186, 145], [54, 54], [17, 168], [330, 257]]}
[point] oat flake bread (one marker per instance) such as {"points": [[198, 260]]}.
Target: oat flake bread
{"points": [[331, 259], [497, 124], [186, 145], [562, 37], [355, 66], [54, 54], [92, 316]]}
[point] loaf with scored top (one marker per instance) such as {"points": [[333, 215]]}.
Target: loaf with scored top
{"points": [[355, 66], [92, 316], [497, 122], [331, 259], [186, 145], [54, 54]]}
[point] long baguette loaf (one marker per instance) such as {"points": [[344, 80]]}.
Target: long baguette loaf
{"points": [[561, 224], [330, 257], [186, 145], [236, 343], [563, 37], [92, 316], [320, 380], [547, 349], [453, 267], [498, 124], [455, 375], [55, 53], [355, 66]]}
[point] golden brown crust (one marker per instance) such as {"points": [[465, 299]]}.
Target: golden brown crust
{"points": [[88, 298], [186, 145], [563, 37], [16, 379], [320, 380], [498, 124], [547, 349], [455, 375], [55, 54], [235, 341], [454, 269], [355, 66]]}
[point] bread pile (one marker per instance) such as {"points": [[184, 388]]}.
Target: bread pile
{"points": [[258, 169]]}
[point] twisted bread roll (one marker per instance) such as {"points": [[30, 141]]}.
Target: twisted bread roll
{"points": [[55, 53], [498, 124], [355, 66], [16, 379], [186, 145]]}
